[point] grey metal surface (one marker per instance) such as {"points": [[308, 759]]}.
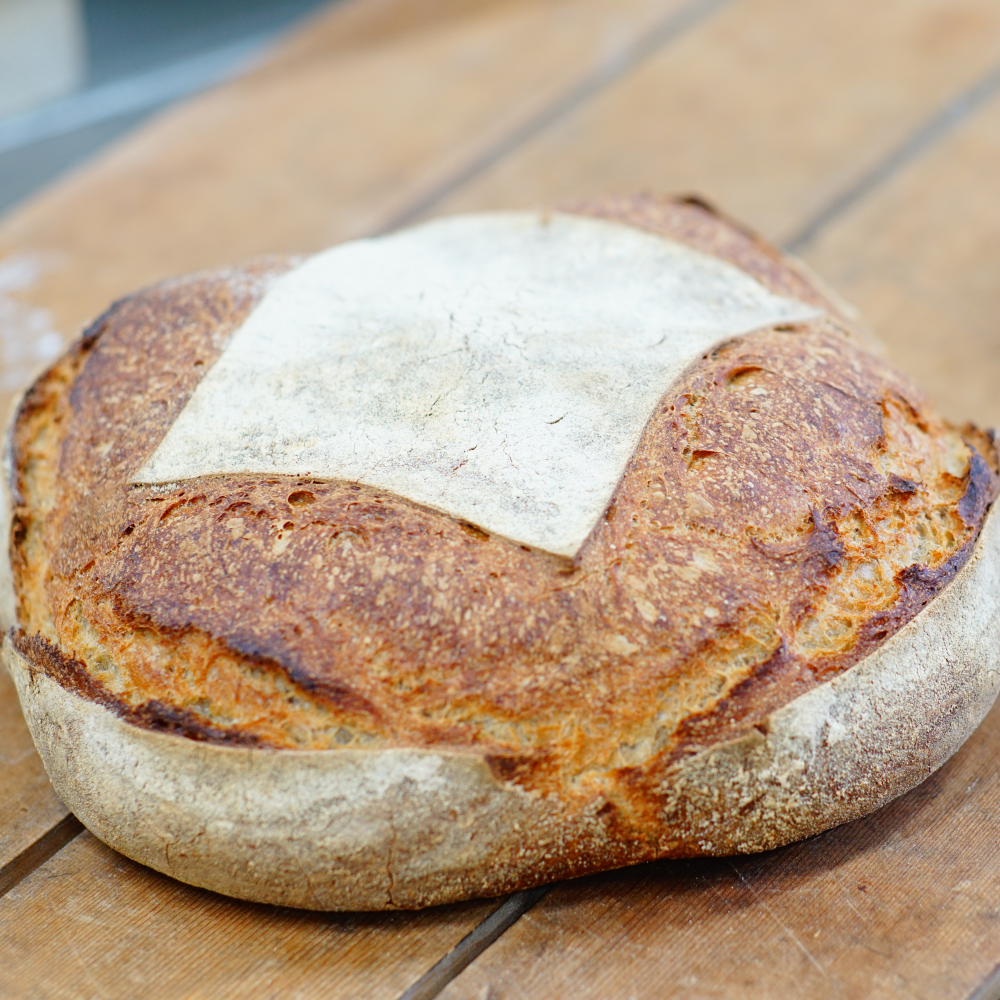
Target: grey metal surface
{"points": [[142, 56]]}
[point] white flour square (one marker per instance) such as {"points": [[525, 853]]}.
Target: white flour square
{"points": [[497, 367]]}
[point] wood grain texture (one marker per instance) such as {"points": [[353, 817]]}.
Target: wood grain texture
{"points": [[768, 108], [904, 903], [28, 805], [921, 257], [122, 931]]}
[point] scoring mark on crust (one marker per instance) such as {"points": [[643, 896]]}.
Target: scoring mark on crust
{"points": [[72, 675]]}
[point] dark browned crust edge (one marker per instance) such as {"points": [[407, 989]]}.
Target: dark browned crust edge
{"points": [[739, 712], [72, 675], [749, 702]]}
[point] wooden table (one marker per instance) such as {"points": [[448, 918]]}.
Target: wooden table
{"points": [[866, 137]]}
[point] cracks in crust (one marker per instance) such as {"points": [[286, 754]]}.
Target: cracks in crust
{"points": [[390, 860], [826, 555]]}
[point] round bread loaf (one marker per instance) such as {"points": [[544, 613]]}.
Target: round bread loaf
{"points": [[504, 549]]}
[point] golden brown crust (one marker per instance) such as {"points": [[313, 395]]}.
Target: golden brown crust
{"points": [[792, 503]]}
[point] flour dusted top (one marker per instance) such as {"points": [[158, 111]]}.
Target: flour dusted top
{"points": [[497, 367]]}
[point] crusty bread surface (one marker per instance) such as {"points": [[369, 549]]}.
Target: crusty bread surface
{"points": [[335, 697]]}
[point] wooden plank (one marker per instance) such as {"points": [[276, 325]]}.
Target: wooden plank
{"points": [[769, 108], [28, 805], [344, 130], [905, 903], [92, 923], [921, 257]]}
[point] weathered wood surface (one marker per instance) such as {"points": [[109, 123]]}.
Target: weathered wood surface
{"points": [[28, 805], [905, 903], [90, 923], [920, 255], [768, 108], [386, 109]]}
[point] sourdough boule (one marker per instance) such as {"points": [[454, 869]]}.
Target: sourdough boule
{"points": [[506, 548]]}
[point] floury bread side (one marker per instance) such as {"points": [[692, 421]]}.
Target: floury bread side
{"points": [[680, 568], [375, 829]]}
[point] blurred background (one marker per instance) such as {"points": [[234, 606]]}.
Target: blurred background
{"points": [[75, 74]]}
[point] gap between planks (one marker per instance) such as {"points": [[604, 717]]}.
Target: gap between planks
{"points": [[432, 982], [36, 854], [989, 989], [911, 149], [669, 29]]}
